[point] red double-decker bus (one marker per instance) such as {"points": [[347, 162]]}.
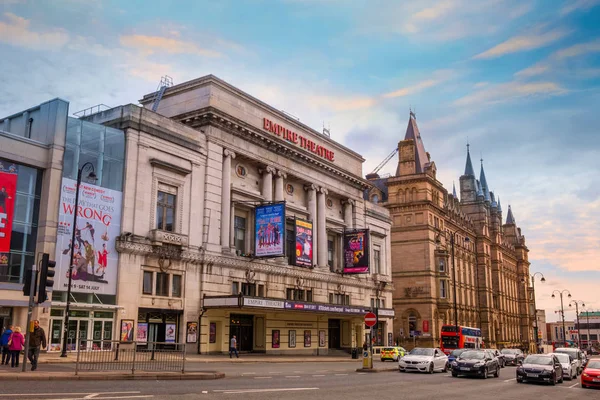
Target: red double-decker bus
{"points": [[459, 337]]}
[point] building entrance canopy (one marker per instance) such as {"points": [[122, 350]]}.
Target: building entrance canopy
{"points": [[250, 302]]}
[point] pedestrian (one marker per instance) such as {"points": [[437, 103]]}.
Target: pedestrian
{"points": [[4, 343], [233, 347], [37, 341], [16, 343]]}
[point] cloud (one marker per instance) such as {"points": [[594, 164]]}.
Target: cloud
{"points": [[152, 44], [534, 70], [578, 5], [577, 50], [436, 11], [523, 43], [510, 91], [342, 103], [15, 31], [437, 77]]}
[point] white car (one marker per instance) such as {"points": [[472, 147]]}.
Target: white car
{"points": [[576, 355], [569, 366], [424, 360]]}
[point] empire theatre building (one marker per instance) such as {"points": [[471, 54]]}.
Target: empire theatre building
{"points": [[239, 220]]}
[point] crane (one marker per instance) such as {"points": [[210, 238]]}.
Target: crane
{"points": [[385, 161]]}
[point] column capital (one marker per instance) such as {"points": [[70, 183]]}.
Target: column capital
{"points": [[228, 153], [350, 202], [310, 186], [324, 191], [281, 174], [267, 170]]}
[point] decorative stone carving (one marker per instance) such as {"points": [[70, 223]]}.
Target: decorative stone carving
{"points": [[414, 291], [159, 237]]}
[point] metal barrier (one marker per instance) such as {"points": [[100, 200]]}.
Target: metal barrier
{"points": [[112, 355]]}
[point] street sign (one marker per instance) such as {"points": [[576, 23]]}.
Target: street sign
{"points": [[370, 319]]}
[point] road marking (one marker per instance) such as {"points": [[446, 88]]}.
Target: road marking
{"points": [[318, 375], [274, 373], [240, 391], [572, 386], [248, 373], [263, 377], [361, 373], [293, 376], [340, 374], [297, 372], [510, 380], [322, 370]]}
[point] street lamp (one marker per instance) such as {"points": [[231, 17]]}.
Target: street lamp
{"points": [[562, 311], [577, 304], [90, 176], [535, 327]]}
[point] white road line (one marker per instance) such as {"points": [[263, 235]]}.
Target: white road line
{"points": [[341, 374], [322, 370], [274, 373], [572, 386], [361, 373], [318, 376], [240, 391], [297, 372], [248, 373], [510, 380], [263, 377], [65, 394], [292, 376]]}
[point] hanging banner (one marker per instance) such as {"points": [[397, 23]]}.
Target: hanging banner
{"points": [[269, 233], [98, 224], [304, 243], [8, 192], [356, 251]]}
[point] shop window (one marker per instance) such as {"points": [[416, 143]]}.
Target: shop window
{"points": [[239, 234], [165, 210], [162, 284], [377, 260], [176, 286], [147, 284], [443, 289], [235, 288], [248, 289]]}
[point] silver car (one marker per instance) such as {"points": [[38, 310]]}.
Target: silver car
{"points": [[424, 360], [569, 365]]}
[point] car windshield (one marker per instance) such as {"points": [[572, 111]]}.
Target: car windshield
{"points": [[563, 358], [473, 355], [538, 360], [421, 352], [389, 349], [509, 351], [595, 364], [572, 353], [457, 352]]}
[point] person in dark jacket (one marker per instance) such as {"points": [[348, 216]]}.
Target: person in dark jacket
{"points": [[4, 344], [37, 341]]}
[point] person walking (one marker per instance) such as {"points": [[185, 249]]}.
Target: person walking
{"points": [[4, 343], [37, 341], [233, 347], [16, 343]]}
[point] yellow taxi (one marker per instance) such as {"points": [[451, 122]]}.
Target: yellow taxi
{"points": [[392, 353]]}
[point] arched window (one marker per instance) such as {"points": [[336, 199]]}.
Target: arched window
{"points": [[375, 199], [412, 323]]}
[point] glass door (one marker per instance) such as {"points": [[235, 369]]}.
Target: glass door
{"points": [[83, 334], [102, 335], [56, 326]]}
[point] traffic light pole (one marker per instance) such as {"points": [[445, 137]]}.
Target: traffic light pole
{"points": [[29, 314]]}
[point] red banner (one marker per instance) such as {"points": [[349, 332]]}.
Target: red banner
{"points": [[426, 326], [8, 191]]}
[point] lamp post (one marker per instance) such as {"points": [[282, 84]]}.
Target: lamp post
{"points": [[452, 240], [91, 176], [562, 311], [536, 327], [577, 304]]}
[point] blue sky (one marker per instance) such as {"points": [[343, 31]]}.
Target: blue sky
{"points": [[520, 80]]}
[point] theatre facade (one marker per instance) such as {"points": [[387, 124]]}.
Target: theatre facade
{"points": [[240, 220]]}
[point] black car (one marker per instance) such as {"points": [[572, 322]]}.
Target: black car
{"points": [[544, 368], [499, 356], [512, 356], [479, 363]]}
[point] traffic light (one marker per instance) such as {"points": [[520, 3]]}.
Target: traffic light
{"points": [[46, 278], [27, 282]]}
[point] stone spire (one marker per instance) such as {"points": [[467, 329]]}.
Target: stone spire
{"points": [[412, 132], [479, 190], [499, 205], [494, 204], [484, 185], [454, 190], [510, 219], [469, 166]]}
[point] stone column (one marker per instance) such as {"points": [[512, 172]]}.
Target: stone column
{"points": [[349, 214], [279, 192], [232, 227], [267, 183], [321, 228], [312, 216], [228, 155]]}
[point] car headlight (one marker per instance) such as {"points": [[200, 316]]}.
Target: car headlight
{"points": [[479, 364], [586, 375], [454, 363]]}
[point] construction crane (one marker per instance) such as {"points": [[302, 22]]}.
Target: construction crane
{"points": [[385, 161], [165, 82]]}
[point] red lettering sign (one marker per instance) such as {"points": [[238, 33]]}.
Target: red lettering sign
{"points": [[292, 137], [8, 191]]}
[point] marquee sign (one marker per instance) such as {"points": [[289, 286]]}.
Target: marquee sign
{"points": [[299, 140]]}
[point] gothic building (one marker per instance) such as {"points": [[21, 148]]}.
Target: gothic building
{"points": [[452, 253]]}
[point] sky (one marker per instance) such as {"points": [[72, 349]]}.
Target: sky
{"points": [[519, 80]]}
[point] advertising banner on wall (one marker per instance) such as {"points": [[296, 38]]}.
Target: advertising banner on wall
{"points": [[356, 251], [304, 243], [98, 224], [269, 233], [8, 192]]}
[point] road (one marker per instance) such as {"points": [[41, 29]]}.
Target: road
{"points": [[332, 381]]}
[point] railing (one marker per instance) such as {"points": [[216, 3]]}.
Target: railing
{"points": [[113, 355]]}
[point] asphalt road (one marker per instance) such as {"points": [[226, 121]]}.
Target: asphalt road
{"points": [[331, 381]]}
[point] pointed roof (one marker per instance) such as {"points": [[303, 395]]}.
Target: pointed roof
{"points": [[494, 204], [469, 166], [453, 190], [499, 205], [479, 191], [412, 132], [484, 185], [510, 219]]}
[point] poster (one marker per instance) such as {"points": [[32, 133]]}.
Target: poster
{"points": [[126, 330], [191, 332], [275, 339], [8, 192], [269, 230], [356, 251], [213, 333], [292, 338], [98, 224], [321, 338], [170, 330], [142, 332], [304, 243], [307, 338]]}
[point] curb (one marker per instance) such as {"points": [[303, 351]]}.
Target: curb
{"points": [[375, 370], [199, 376]]}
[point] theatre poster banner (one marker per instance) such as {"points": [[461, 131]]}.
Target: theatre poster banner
{"points": [[356, 251], [98, 224], [304, 243], [8, 192], [270, 230]]}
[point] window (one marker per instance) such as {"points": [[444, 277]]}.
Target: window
{"points": [[261, 290], [298, 294], [309, 295], [176, 286], [147, 284], [165, 211], [235, 288], [248, 289], [330, 252], [443, 289], [340, 299], [442, 266], [375, 199], [162, 284], [290, 242], [377, 260], [239, 234]]}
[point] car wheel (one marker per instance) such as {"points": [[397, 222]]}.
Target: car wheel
{"points": [[430, 368], [485, 373], [519, 380], [561, 379], [445, 368], [454, 374], [553, 381], [497, 373]]}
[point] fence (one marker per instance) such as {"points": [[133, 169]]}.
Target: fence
{"points": [[113, 355]]}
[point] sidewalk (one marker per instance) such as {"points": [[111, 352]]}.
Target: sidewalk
{"points": [[107, 375]]}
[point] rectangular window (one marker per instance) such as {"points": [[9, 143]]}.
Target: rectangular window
{"points": [[235, 288], [330, 298], [330, 252], [261, 290], [347, 299], [162, 284], [249, 289], [239, 225], [176, 286], [443, 289], [309, 296], [377, 260], [165, 211], [372, 303], [147, 285]]}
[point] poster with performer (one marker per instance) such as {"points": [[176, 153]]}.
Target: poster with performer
{"points": [[304, 243], [269, 230], [95, 259], [356, 251], [8, 192]]}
